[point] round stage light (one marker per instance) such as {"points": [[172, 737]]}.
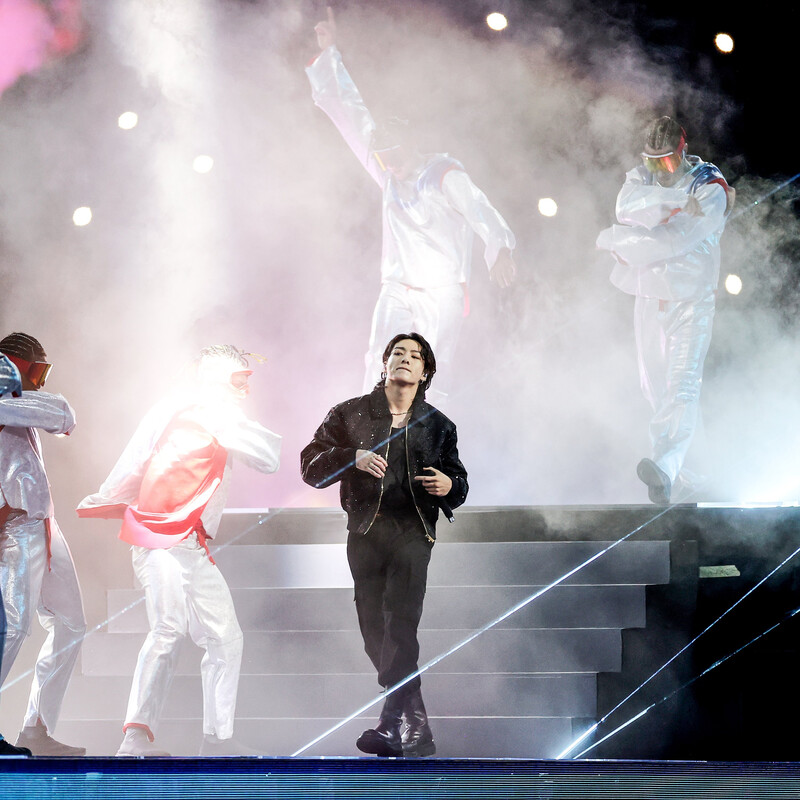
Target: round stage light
{"points": [[547, 207], [203, 164], [497, 21], [733, 284], [128, 120], [82, 216], [724, 42]]}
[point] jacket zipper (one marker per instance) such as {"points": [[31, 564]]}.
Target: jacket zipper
{"points": [[380, 496], [411, 489]]}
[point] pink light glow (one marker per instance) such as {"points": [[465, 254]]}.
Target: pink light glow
{"points": [[30, 35]]}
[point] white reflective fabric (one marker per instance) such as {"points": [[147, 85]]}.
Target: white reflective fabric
{"points": [[661, 250], [428, 220], [186, 594], [672, 341], [23, 479], [429, 223], [667, 249], [28, 585]]}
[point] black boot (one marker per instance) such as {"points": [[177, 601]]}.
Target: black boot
{"points": [[384, 738], [417, 736]]}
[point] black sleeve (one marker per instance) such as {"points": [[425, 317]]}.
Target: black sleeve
{"points": [[329, 454]]}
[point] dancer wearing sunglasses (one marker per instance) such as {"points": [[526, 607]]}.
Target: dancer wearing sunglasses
{"points": [[36, 569], [431, 213], [671, 211]]}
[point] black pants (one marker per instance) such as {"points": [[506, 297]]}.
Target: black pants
{"points": [[389, 565]]}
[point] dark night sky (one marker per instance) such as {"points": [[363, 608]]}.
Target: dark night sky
{"points": [[758, 76]]}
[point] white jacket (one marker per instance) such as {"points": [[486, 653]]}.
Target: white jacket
{"points": [[661, 250]]}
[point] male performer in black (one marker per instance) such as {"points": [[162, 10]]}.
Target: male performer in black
{"points": [[397, 459]]}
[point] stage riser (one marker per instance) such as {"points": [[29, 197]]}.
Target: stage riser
{"points": [[338, 696], [456, 738], [463, 564], [512, 692], [292, 652], [445, 607]]}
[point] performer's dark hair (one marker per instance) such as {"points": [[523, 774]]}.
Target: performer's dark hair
{"points": [[224, 351], [664, 133], [21, 345], [428, 357]]}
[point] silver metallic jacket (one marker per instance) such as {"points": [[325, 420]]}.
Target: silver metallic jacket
{"points": [[429, 220], [23, 479], [661, 251]]}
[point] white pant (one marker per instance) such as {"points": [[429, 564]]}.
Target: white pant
{"points": [[435, 313], [28, 584], [672, 339], [185, 593]]}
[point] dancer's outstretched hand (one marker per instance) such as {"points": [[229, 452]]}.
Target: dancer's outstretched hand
{"points": [[504, 270], [326, 31]]}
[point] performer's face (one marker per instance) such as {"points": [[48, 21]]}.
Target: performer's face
{"points": [[224, 378], [405, 364], [667, 164], [239, 382]]}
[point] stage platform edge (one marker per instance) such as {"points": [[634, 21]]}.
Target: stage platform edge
{"points": [[310, 779]]}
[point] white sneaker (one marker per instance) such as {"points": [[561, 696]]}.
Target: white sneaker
{"points": [[137, 744]]}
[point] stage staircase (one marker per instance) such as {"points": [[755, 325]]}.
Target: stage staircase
{"points": [[523, 688]]}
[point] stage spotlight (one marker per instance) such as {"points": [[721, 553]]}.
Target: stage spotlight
{"points": [[547, 207], [733, 284], [82, 216], [203, 164], [724, 42], [497, 21], [128, 120]]}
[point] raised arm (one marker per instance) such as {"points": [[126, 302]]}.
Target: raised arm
{"points": [[334, 91]]}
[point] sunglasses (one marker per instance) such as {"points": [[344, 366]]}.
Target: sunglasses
{"points": [[35, 371], [668, 162]]}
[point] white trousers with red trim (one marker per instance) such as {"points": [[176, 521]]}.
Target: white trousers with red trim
{"points": [[29, 584], [185, 594]]}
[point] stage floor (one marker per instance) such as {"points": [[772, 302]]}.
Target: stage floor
{"points": [[268, 778], [713, 732]]}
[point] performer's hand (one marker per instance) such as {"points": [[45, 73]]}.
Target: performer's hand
{"points": [[437, 484], [326, 31], [370, 462], [504, 270]]}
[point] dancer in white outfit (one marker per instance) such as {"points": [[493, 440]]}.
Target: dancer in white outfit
{"points": [[672, 210], [37, 573], [431, 212], [169, 486]]}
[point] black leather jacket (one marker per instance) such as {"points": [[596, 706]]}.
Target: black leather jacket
{"points": [[366, 423]]}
